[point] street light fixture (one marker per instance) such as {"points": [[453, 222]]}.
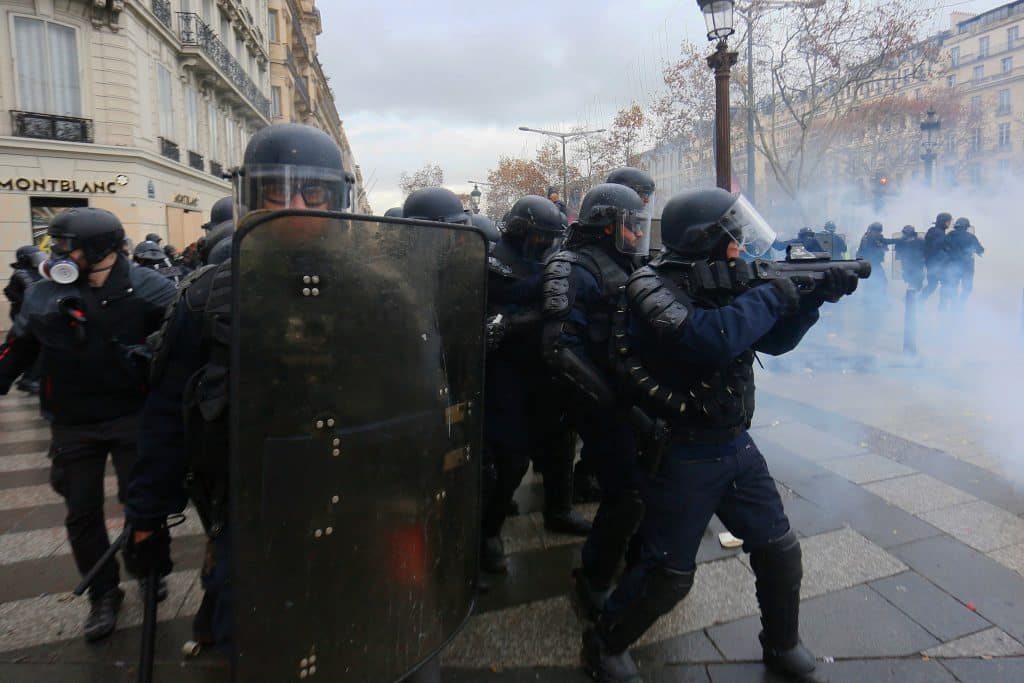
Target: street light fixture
{"points": [[930, 126], [564, 137], [474, 196], [718, 16]]}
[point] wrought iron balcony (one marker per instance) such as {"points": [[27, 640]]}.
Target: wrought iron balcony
{"points": [[51, 127], [300, 82], [162, 10], [192, 30], [216, 170], [195, 160], [297, 23], [170, 149]]}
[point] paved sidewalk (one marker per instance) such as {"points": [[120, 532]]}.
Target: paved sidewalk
{"points": [[912, 534]]}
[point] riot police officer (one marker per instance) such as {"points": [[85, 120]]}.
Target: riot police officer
{"points": [[936, 259], [394, 212], [640, 181], [833, 242], [435, 204], [26, 273], [686, 346], [87, 323], [873, 248], [910, 252], [222, 210], [809, 241], [582, 287], [525, 415], [486, 226], [961, 246], [150, 255]]}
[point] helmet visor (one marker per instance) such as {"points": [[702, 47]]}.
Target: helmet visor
{"points": [[633, 231], [539, 242], [748, 228], [276, 187]]}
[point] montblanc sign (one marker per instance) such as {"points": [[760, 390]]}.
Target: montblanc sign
{"points": [[102, 186]]}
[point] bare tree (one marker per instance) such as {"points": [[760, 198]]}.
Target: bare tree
{"points": [[512, 179], [627, 136], [430, 175]]}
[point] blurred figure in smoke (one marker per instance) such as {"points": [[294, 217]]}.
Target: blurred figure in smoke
{"points": [[910, 253], [809, 241], [935, 257], [960, 247], [836, 243], [873, 248]]}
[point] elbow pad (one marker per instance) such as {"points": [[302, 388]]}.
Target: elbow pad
{"points": [[657, 305]]}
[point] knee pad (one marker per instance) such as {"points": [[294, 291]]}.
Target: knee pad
{"points": [[779, 561]]}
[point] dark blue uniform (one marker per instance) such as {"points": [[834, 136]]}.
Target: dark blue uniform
{"points": [[936, 260], [961, 246], [910, 252]]}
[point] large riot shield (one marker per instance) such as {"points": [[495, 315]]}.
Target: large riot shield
{"points": [[356, 387]]}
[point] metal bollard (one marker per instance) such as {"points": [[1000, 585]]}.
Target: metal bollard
{"points": [[910, 323]]}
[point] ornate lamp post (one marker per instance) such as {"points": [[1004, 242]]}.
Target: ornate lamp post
{"points": [[718, 16], [930, 126]]}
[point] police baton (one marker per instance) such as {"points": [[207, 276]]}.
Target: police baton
{"points": [[98, 567]]}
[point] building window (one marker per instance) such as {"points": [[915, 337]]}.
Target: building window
{"points": [[954, 56], [976, 174], [976, 139], [951, 175], [1004, 135], [166, 95], [275, 101], [1004, 102], [192, 117], [1007, 64], [1004, 166], [212, 122], [976, 104], [983, 47], [225, 28], [951, 80], [979, 72], [272, 25], [1012, 34], [46, 64], [950, 145], [229, 136]]}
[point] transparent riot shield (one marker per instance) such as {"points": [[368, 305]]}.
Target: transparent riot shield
{"points": [[357, 371]]}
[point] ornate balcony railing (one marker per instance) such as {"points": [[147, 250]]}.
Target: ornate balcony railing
{"points": [[162, 10], [192, 30], [170, 149], [51, 127], [297, 23], [216, 169], [195, 160], [300, 82]]}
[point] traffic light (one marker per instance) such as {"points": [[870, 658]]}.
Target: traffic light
{"points": [[880, 190]]}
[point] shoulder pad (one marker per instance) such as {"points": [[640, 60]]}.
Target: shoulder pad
{"points": [[195, 288], [647, 294], [496, 266], [556, 288]]}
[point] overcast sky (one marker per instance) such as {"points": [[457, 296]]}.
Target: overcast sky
{"points": [[450, 81]]}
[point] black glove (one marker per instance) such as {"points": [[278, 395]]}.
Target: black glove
{"points": [[497, 328], [789, 296], [150, 554], [836, 284]]}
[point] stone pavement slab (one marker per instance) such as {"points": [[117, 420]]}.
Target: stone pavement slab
{"points": [[510, 638], [852, 671], [988, 643], [808, 442], [861, 469], [856, 622], [685, 649], [1011, 556], [939, 613], [919, 493], [970, 577], [979, 524], [1007, 670]]}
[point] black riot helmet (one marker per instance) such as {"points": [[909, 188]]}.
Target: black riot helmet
{"points": [[909, 231], [962, 224], [805, 234], [292, 166], [96, 232], [394, 212], [619, 208], [213, 236], [149, 253], [153, 237], [875, 227], [222, 210], [641, 182], [486, 226], [435, 204], [533, 224], [943, 220], [700, 224], [29, 256], [830, 226], [221, 251]]}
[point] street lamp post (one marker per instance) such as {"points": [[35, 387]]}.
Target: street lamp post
{"points": [[476, 194], [564, 137], [930, 126], [718, 16]]}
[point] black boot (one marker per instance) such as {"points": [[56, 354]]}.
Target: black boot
{"points": [[587, 598], [585, 488], [103, 615], [796, 664], [605, 666], [492, 556], [558, 513]]}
